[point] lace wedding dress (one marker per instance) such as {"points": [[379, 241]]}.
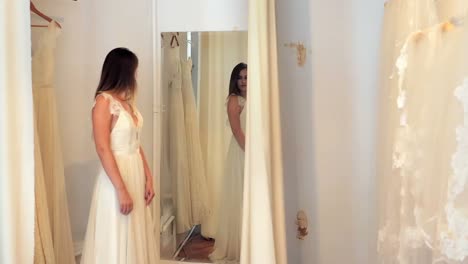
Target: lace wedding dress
{"points": [[112, 237], [50, 193], [424, 172]]}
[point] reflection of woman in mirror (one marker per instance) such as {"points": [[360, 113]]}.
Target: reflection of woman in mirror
{"points": [[228, 236], [120, 225]]}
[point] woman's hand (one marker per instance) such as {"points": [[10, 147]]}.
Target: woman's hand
{"points": [[149, 191], [126, 202]]}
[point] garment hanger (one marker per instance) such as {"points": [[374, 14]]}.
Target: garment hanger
{"points": [[175, 41], [33, 9], [174, 37]]}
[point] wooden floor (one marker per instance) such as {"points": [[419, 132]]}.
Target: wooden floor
{"points": [[197, 249]]}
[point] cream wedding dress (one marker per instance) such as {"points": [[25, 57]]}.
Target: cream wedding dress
{"points": [[112, 237], [228, 236], [53, 239], [177, 142], [198, 182]]}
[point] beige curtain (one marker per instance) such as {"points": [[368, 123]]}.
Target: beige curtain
{"points": [[219, 53], [263, 229], [16, 135]]}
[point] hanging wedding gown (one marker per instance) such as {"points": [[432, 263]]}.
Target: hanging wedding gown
{"points": [[43, 244], [424, 208], [50, 186], [177, 146], [112, 237], [198, 182], [167, 199], [401, 19], [228, 236]]}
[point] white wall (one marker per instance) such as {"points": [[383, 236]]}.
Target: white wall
{"points": [[328, 116], [202, 15], [90, 30]]}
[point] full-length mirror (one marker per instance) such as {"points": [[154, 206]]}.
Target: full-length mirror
{"points": [[203, 93]]}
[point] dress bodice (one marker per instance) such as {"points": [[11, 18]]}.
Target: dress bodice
{"points": [[171, 58], [43, 58], [125, 135]]}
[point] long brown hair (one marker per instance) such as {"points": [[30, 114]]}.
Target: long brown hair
{"points": [[233, 87], [118, 73]]}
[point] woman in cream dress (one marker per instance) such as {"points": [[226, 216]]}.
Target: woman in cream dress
{"points": [[228, 236], [120, 227]]}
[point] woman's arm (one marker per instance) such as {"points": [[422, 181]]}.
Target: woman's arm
{"points": [[148, 175], [102, 121], [149, 190], [234, 111]]}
